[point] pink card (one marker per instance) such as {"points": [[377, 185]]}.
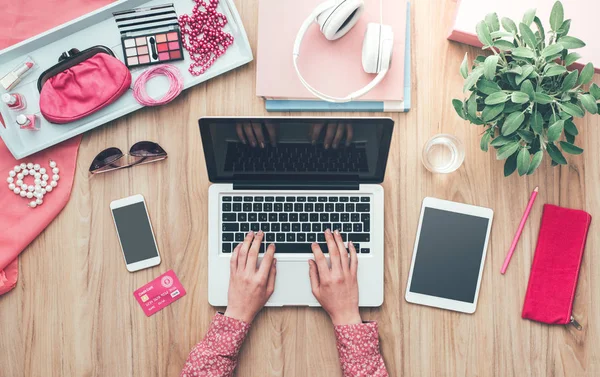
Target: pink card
{"points": [[159, 293]]}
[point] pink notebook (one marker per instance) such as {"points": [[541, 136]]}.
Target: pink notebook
{"points": [[584, 15], [334, 68]]}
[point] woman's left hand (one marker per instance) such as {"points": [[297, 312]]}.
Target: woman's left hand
{"points": [[250, 287]]}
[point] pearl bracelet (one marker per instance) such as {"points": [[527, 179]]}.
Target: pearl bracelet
{"points": [[41, 181]]}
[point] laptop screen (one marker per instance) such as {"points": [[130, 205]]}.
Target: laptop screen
{"points": [[296, 149]]}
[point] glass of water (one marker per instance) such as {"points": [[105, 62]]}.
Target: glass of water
{"points": [[443, 153]]}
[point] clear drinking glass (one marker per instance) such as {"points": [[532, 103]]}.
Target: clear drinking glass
{"points": [[443, 153]]}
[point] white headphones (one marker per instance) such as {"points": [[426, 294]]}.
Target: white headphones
{"points": [[335, 19]]}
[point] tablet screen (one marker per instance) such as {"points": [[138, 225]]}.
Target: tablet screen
{"points": [[449, 255]]}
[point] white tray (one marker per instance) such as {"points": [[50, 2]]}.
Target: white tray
{"points": [[99, 28]]}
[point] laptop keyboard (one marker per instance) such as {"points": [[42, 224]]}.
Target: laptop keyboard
{"points": [[296, 157], [294, 222]]}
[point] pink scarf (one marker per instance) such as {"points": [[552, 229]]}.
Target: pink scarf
{"points": [[19, 224]]}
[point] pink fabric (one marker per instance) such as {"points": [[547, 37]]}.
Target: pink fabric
{"points": [[216, 355], [21, 224], [23, 19]]}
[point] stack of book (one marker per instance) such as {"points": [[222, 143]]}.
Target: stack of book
{"points": [[332, 67]]}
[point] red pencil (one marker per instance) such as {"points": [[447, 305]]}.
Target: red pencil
{"points": [[520, 230]]}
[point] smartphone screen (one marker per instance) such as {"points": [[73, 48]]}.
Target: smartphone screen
{"points": [[135, 233]]}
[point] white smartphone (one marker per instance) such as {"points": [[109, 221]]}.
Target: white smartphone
{"points": [[135, 233]]}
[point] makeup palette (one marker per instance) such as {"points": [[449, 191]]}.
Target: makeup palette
{"points": [[150, 35]]}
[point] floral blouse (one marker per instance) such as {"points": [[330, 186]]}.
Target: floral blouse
{"points": [[216, 355]]}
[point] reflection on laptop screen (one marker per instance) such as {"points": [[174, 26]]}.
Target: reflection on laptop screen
{"points": [[294, 149]]}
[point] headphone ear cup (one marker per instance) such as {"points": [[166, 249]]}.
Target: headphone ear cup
{"points": [[336, 21], [377, 48]]}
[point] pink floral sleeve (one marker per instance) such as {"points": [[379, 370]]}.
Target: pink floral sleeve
{"points": [[216, 354], [358, 347]]}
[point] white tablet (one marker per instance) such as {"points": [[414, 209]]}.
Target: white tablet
{"points": [[449, 254]]}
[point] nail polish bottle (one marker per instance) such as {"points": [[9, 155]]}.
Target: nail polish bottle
{"points": [[14, 101], [28, 122]]}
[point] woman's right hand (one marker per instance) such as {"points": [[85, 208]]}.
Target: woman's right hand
{"points": [[336, 287]]}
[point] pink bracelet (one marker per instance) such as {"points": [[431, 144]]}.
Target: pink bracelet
{"points": [[173, 75]]}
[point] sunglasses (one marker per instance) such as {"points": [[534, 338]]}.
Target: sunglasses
{"points": [[142, 152]]}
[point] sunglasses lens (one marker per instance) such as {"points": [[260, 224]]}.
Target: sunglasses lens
{"points": [[105, 158], [146, 149]]}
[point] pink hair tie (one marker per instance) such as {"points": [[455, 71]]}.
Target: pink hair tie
{"points": [[173, 75]]}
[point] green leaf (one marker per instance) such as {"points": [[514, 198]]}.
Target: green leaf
{"points": [[571, 43], [555, 154], [458, 106], [570, 127], [570, 138], [587, 73], [570, 148], [489, 66], [571, 58], [501, 34], [552, 50], [535, 162], [523, 52], [503, 45], [570, 81], [528, 136], [564, 28], [595, 91], [472, 105], [509, 25], [528, 36], [501, 140], [464, 69], [523, 160], [507, 150], [496, 98], [527, 87], [529, 16], [492, 22], [571, 109], [483, 33], [555, 70], [527, 70], [589, 103], [557, 16], [519, 97], [512, 123], [555, 130], [541, 34], [472, 78], [510, 165], [491, 112], [517, 70], [487, 87], [542, 98], [485, 141], [536, 122]]}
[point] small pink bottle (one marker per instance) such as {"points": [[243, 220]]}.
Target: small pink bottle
{"points": [[14, 101], [28, 122]]}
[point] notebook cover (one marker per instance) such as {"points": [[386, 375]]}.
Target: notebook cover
{"points": [[290, 105], [583, 13], [556, 265], [334, 67]]}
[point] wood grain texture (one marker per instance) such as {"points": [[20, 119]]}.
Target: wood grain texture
{"points": [[73, 313]]}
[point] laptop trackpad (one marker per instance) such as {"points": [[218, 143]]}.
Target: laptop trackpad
{"points": [[292, 285]]}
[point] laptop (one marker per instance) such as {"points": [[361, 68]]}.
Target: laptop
{"points": [[284, 176]]}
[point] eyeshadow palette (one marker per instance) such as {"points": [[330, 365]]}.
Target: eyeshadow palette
{"points": [[149, 35]]}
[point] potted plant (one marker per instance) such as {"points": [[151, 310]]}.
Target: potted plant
{"points": [[524, 94]]}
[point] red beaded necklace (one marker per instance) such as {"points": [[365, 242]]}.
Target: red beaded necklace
{"points": [[206, 40]]}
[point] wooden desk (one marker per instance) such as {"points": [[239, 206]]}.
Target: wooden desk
{"points": [[73, 314]]}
